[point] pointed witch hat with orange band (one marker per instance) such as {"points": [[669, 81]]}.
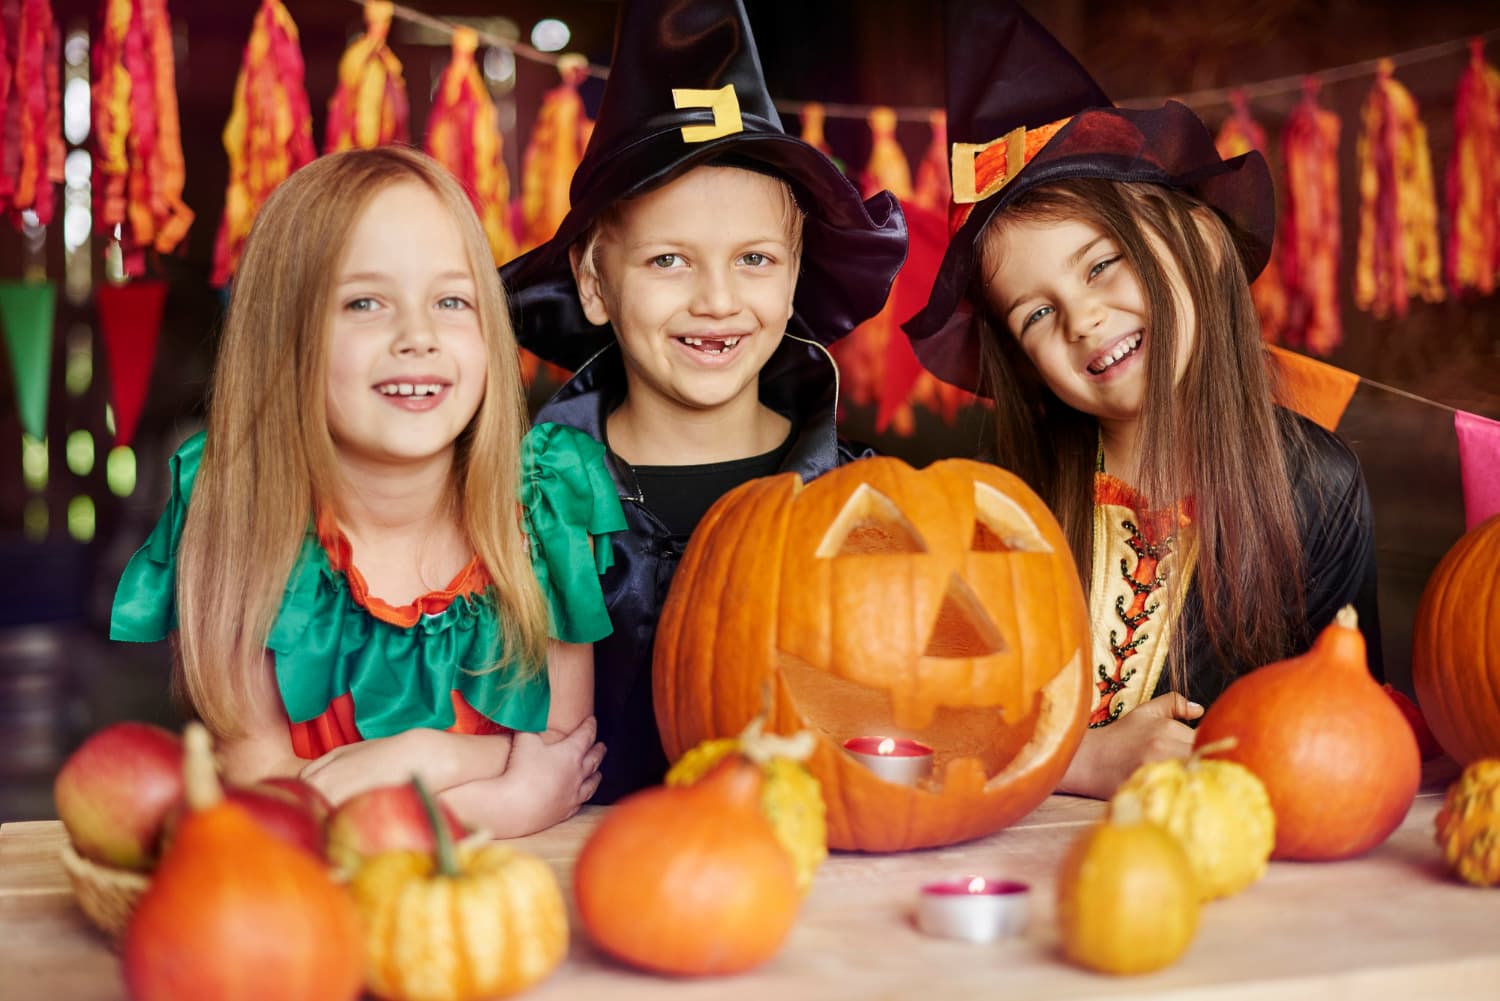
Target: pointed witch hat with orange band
{"points": [[1023, 113], [686, 88]]}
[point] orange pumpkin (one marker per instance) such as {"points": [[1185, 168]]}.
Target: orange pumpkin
{"points": [[941, 605], [1338, 759], [234, 913], [689, 880], [1455, 657]]}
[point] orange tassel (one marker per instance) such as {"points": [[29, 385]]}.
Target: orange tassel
{"points": [[369, 106], [1397, 255], [1474, 180], [1310, 245], [1240, 134], [463, 134], [269, 132], [138, 166], [557, 143]]}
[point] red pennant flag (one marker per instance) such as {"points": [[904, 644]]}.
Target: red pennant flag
{"points": [[26, 310], [1397, 256], [369, 106], [1479, 466], [1474, 179], [269, 132], [1315, 389], [31, 145], [130, 319], [138, 167], [1310, 225]]}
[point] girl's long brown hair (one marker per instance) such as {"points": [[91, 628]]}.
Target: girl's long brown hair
{"points": [[1214, 437], [269, 459]]}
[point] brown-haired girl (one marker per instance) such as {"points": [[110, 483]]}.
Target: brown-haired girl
{"points": [[371, 567], [1098, 277]]}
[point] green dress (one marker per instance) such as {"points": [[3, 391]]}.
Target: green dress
{"points": [[348, 668]]}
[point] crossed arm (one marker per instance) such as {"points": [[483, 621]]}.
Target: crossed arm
{"points": [[508, 784]]}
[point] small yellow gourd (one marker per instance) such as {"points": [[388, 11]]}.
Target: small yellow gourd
{"points": [[1468, 824], [466, 922], [1217, 809], [1127, 900], [791, 798]]}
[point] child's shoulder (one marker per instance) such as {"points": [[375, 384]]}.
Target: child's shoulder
{"points": [[1318, 455]]}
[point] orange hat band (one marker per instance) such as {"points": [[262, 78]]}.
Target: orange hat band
{"points": [[980, 169]]}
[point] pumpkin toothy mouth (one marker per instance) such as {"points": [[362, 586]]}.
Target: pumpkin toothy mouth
{"points": [[836, 709]]}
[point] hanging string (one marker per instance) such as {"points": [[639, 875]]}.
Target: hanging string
{"points": [[1292, 84], [908, 113]]}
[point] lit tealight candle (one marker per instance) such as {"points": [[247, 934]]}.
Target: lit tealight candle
{"points": [[973, 908], [894, 759]]}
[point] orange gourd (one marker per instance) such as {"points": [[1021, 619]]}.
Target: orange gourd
{"points": [[1337, 758], [234, 913], [1455, 657], [689, 880], [939, 604]]}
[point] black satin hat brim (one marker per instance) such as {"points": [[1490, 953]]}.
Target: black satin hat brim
{"points": [[945, 333], [851, 248]]}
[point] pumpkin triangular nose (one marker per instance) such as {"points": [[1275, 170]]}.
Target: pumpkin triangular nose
{"points": [[962, 629]]}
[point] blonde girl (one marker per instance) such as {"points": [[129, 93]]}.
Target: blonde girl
{"points": [[370, 566]]}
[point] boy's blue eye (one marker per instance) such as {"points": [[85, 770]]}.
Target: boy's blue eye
{"points": [[665, 260], [755, 259]]}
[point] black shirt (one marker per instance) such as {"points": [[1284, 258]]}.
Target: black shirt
{"points": [[681, 495]]}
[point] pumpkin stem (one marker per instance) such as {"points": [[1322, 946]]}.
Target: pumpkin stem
{"points": [[200, 777], [447, 859], [760, 747], [1347, 617], [1215, 747]]}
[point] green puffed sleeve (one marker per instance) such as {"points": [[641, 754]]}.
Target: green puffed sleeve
{"points": [[568, 498], [145, 608]]}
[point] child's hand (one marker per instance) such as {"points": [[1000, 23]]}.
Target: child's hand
{"points": [[558, 775], [1150, 732]]}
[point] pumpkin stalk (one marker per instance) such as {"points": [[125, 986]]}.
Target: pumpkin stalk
{"points": [[1214, 747], [760, 747], [200, 777], [447, 858]]}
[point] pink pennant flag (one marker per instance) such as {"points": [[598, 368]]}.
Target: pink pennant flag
{"points": [[1479, 465]]}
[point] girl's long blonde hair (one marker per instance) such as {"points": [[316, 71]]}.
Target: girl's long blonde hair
{"points": [[269, 460], [1215, 436]]}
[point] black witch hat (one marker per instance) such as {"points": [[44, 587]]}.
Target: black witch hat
{"points": [[1021, 113], [685, 87]]}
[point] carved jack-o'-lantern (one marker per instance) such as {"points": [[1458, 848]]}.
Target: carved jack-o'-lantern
{"points": [[941, 605]]}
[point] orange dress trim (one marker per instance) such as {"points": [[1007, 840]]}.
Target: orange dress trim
{"points": [[335, 727]]}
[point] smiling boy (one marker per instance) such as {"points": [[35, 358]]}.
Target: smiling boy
{"points": [[708, 259]]}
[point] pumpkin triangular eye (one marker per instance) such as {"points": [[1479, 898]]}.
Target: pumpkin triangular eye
{"points": [[962, 627], [1003, 526], [870, 523]]}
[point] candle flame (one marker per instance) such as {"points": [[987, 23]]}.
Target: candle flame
{"points": [[886, 746], [976, 885]]}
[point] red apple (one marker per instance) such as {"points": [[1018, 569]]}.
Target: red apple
{"points": [[114, 792], [305, 794], [274, 811], [390, 818]]}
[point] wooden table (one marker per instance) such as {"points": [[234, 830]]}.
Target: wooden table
{"points": [[1392, 924]]}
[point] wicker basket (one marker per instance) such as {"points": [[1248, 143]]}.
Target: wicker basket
{"points": [[107, 895]]}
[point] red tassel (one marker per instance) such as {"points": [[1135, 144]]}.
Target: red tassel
{"points": [[1473, 264], [32, 159], [1241, 134], [1310, 225], [269, 132], [557, 142], [369, 106]]}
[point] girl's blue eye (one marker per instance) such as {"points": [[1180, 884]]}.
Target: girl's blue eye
{"points": [[1099, 268], [1035, 316], [361, 305], [452, 302]]}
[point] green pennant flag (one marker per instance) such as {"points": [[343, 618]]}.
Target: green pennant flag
{"points": [[26, 317]]}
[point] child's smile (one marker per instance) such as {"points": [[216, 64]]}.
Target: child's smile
{"points": [[1116, 356]]}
